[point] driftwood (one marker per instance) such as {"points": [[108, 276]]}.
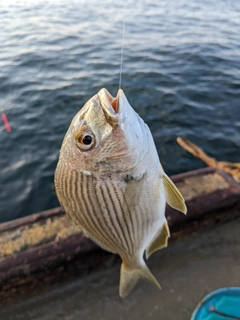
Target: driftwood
{"points": [[232, 168]]}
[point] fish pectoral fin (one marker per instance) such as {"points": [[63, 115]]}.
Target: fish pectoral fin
{"points": [[160, 240], [129, 278], [174, 197]]}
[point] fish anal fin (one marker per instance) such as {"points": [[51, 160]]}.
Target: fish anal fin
{"points": [[130, 276], [173, 195], [160, 240]]}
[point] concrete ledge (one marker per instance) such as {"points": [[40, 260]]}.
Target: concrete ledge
{"points": [[45, 248]]}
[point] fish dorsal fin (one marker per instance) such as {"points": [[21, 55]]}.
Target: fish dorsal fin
{"points": [[160, 240], [174, 197]]}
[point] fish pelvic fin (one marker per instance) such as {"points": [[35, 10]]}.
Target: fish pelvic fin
{"points": [[174, 197], [160, 240], [130, 276]]}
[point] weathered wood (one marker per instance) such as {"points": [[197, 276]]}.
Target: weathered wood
{"points": [[232, 168], [47, 247]]}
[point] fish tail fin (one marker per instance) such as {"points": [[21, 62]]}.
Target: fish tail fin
{"points": [[129, 278]]}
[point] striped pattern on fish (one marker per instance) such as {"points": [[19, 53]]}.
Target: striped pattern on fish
{"points": [[110, 181], [101, 207]]}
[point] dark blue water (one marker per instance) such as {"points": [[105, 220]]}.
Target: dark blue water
{"points": [[181, 73]]}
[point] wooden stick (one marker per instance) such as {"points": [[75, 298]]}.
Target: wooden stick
{"points": [[230, 167]]}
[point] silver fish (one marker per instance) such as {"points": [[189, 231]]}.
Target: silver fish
{"points": [[110, 181]]}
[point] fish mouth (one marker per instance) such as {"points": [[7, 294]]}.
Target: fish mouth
{"points": [[111, 105], [114, 102], [108, 100]]}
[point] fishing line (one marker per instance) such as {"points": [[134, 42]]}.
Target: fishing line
{"points": [[123, 37]]}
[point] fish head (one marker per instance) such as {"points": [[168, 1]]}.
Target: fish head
{"points": [[106, 135]]}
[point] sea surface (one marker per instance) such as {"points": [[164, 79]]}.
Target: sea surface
{"points": [[181, 73]]}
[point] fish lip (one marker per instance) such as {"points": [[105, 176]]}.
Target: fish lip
{"points": [[121, 100], [110, 106], [120, 94]]}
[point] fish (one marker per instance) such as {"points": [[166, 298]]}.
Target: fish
{"points": [[110, 181]]}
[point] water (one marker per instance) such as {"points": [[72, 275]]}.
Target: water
{"points": [[180, 72], [187, 271]]}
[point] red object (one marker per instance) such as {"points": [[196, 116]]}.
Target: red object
{"points": [[6, 123]]}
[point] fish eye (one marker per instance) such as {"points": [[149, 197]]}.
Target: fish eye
{"points": [[85, 141]]}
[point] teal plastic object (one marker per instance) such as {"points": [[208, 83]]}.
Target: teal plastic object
{"points": [[223, 304]]}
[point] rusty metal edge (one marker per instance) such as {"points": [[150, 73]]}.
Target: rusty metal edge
{"points": [[40, 257], [204, 171], [35, 217], [48, 253], [207, 203]]}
